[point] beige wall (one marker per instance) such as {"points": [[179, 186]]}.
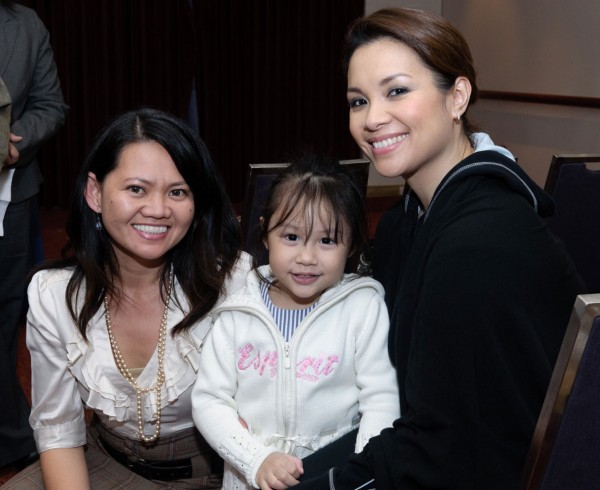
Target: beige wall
{"points": [[433, 5], [542, 47], [534, 132]]}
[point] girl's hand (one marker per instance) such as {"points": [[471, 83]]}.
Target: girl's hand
{"points": [[279, 471]]}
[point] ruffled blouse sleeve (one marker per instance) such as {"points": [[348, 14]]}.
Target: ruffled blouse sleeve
{"points": [[57, 414]]}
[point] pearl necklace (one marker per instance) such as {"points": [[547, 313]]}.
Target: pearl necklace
{"points": [[160, 375]]}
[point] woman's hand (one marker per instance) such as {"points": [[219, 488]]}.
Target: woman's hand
{"points": [[13, 153], [279, 471]]}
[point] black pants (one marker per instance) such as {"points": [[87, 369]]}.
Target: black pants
{"points": [[16, 436], [334, 454]]}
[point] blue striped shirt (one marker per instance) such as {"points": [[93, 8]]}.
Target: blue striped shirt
{"points": [[286, 320]]}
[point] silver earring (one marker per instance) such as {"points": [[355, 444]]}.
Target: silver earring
{"points": [[98, 222], [457, 118]]}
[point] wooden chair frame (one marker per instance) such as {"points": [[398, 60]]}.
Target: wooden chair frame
{"points": [[585, 311], [562, 159]]}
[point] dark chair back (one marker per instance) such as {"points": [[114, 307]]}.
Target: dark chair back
{"points": [[258, 185], [566, 442], [574, 183]]}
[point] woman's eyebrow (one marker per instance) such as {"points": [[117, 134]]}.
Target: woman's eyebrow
{"points": [[382, 83]]}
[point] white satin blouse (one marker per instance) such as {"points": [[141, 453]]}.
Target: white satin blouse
{"points": [[70, 374]]}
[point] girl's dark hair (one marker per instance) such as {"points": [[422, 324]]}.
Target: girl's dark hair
{"points": [[437, 43], [201, 261], [318, 183]]}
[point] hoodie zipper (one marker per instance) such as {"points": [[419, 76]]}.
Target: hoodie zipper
{"points": [[286, 350]]}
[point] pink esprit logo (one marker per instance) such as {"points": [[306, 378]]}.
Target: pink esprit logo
{"points": [[251, 359], [312, 368], [309, 369]]}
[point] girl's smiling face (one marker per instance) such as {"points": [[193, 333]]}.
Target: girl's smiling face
{"points": [[306, 260]]}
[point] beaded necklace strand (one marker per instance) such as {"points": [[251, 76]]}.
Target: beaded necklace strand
{"points": [[160, 375]]}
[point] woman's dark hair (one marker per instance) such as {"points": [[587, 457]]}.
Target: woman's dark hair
{"points": [[318, 187], [201, 261], [438, 44]]}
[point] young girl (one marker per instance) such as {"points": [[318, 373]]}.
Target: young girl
{"points": [[298, 358]]}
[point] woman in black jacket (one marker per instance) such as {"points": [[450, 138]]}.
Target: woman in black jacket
{"points": [[478, 289]]}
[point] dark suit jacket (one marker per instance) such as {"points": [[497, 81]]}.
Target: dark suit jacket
{"points": [[4, 122], [38, 110]]}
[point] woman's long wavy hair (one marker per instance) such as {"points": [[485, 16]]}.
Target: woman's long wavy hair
{"points": [[201, 261]]}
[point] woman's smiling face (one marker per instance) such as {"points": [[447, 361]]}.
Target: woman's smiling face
{"points": [[145, 204], [401, 120]]}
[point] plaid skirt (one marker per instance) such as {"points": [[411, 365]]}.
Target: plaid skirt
{"points": [[106, 473]]}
